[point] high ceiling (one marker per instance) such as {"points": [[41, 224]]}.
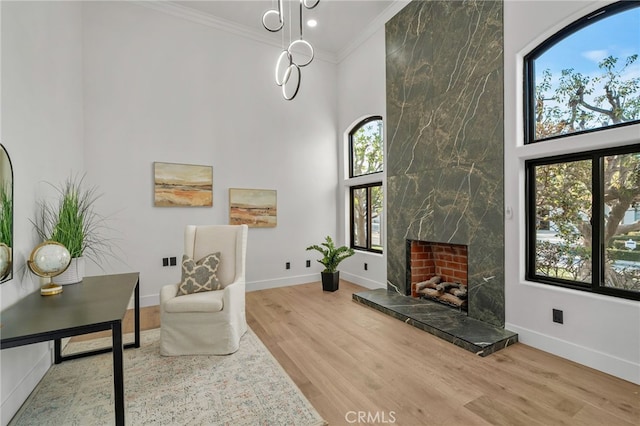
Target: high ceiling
{"points": [[341, 23]]}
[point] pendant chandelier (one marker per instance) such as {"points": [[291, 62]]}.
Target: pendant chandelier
{"points": [[287, 71]]}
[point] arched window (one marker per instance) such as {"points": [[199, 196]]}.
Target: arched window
{"points": [[587, 76], [582, 231], [365, 184]]}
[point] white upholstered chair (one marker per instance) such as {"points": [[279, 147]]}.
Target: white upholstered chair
{"points": [[210, 322]]}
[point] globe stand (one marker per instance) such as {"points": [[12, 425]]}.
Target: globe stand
{"points": [[50, 289], [48, 260]]}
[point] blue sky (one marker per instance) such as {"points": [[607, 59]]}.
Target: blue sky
{"points": [[617, 35]]}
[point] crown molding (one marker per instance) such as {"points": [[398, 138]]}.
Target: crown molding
{"points": [[370, 29], [187, 13], [184, 12]]}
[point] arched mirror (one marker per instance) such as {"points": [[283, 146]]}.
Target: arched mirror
{"points": [[6, 216]]}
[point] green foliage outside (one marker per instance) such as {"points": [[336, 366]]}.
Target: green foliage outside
{"points": [[366, 143], [628, 255], [331, 255], [564, 190], [6, 217], [617, 250], [367, 158], [582, 102]]}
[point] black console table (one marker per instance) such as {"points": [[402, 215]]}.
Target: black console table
{"points": [[96, 304]]}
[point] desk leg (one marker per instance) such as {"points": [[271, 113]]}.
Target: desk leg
{"points": [[118, 372], [57, 351], [136, 314]]}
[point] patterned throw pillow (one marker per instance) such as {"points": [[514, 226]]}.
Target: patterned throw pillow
{"points": [[199, 276]]}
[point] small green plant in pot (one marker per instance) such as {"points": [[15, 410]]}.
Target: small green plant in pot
{"points": [[72, 221], [332, 256]]}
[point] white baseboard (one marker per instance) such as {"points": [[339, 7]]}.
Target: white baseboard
{"points": [[283, 282], [362, 281], [19, 394], [606, 363], [145, 301], [154, 299]]}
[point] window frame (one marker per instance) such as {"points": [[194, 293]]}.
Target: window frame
{"points": [[351, 132], [368, 238], [366, 180], [529, 69], [597, 218]]}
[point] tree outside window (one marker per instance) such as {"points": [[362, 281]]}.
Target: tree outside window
{"points": [[366, 211], [583, 231], [583, 219], [366, 199], [587, 77]]}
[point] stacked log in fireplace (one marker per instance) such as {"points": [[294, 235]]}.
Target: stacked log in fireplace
{"points": [[451, 293]]}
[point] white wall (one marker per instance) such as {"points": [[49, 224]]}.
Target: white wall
{"points": [[161, 88], [124, 62], [598, 331], [41, 114], [362, 93], [109, 88]]}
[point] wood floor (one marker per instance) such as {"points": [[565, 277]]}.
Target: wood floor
{"points": [[350, 361], [348, 358]]}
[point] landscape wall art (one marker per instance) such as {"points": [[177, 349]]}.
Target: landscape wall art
{"points": [[182, 185], [256, 208]]}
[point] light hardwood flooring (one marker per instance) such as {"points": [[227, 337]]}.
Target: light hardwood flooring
{"points": [[350, 361], [149, 318]]}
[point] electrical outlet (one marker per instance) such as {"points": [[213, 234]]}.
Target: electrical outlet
{"points": [[558, 316], [366, 267], [308, 264], [287, 265], [165, 261], [172, 261]]}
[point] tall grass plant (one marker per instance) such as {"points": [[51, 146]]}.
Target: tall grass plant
{"points": [[6, 216], [72, 221]]}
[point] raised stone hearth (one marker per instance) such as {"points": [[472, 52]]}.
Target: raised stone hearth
{"points": [[456, 327]]}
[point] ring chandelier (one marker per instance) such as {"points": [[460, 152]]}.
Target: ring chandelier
{"points": [[273, 20]]}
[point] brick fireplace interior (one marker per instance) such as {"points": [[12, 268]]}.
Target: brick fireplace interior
{"points": [[438, 271]]}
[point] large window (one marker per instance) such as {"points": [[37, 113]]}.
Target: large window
{"points": [[587, 76], [365, 184], [590, 239], [582, 228]]}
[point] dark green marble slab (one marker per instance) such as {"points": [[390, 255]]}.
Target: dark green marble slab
{"points": [[442, 321], [445, 141]]}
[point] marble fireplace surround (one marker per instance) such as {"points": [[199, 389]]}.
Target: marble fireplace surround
{"points": [[445, 171]]}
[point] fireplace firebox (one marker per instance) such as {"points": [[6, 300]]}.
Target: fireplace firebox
{"points": [[438, 271]]}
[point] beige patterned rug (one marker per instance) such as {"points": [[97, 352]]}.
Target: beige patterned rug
{"points": [[245, 388]]}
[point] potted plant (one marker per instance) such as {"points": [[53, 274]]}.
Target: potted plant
{"points": [[72, 221], [6, 231], [332, 256]]}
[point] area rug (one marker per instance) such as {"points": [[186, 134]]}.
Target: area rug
{"points": [[248, 387]]}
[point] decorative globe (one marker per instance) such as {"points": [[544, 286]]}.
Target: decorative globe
{"points": [[49, 259]]}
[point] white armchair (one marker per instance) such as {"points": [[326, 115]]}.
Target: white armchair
{"points": [[210, 322]]}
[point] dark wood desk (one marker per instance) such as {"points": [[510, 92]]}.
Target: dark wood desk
{"points": [[96, 304]]}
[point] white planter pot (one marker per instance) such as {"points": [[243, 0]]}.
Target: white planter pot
{"points": [[73, 274], [5, 260]]}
